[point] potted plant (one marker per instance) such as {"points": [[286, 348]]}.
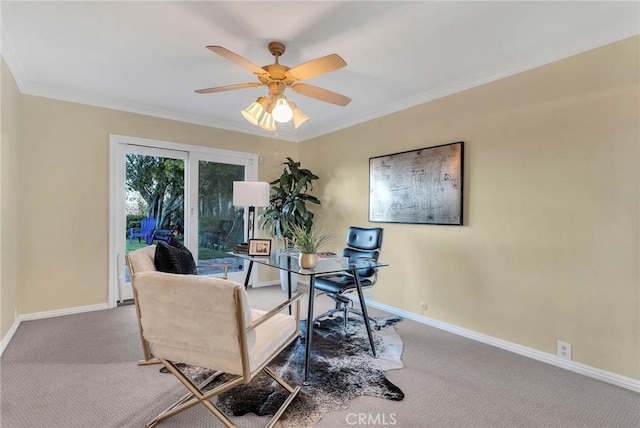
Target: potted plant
{"points": [[288, 207], [288, 202], [309, 242]]}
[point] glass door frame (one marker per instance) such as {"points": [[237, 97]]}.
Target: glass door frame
{"points": [[118, 145], [191, 240]]}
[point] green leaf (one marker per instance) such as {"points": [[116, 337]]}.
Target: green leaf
{"points": [[287, 204]]}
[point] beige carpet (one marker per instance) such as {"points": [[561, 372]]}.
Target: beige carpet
{"points": [[80, 371]]}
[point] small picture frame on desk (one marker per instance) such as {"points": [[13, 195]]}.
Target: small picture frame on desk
{"points": [[260, 247]]}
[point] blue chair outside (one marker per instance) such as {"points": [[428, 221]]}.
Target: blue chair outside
{"points": [[146, 230], [165, 235]]}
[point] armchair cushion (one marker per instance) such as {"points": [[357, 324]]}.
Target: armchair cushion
{"points": [[268, 337], [174, 258]]}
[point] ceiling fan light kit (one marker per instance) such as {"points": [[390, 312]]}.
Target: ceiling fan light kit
{"points": [[298, 116], [267, 123], [266, 111], [254, 111]]}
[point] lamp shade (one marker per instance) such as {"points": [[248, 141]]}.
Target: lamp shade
{"points": [[267, 123], [254, 111], [298, 116], [251, 193]]}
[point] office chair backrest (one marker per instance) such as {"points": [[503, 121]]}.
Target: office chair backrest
{"points": [[363, 243]]}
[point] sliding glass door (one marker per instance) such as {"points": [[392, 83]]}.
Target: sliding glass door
{"points": [[153, 202], [162, 190], [220, 225]]}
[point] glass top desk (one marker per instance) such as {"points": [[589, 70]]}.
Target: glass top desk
{"points": [[330, 265]]}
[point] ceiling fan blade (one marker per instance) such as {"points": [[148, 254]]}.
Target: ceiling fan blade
{"points": [[229, 87], [226, 53], [321, 94], [317, 67]]}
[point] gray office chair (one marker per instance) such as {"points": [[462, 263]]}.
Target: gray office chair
{"points": [[362, 243]]}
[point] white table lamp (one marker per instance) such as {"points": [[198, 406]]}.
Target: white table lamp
{"points": [[251, 194]]}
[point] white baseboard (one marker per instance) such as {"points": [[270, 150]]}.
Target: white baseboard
{"points": [[7, 337], [61, 312], [583, 369], [266, 284]]}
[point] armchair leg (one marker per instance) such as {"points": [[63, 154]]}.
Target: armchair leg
{"points": [[196, 396], [292, 394], [149, 362]]}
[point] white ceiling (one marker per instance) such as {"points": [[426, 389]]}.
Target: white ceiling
{"points": [[148, 57]]}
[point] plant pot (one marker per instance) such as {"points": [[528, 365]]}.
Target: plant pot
{"points": [[284, 279], [308, 261]]}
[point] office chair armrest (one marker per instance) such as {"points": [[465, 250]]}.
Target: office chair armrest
{"points": [[354, 260], [353, 265], [294, 299], [372, 278]]}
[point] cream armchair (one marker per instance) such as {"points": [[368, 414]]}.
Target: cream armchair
{"points": [[142, 260], [207, 322]]}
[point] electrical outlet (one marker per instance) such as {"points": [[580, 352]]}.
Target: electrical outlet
{"points": [[367, 294], [424, 306], [564, 350]]}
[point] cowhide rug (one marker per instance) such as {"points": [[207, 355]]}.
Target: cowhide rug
{"points": [[341, 369]]}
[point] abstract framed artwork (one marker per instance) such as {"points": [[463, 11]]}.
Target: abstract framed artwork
{"points": [[422, 186]]}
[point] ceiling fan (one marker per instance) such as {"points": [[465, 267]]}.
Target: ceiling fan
{"points": [[275, 107]]}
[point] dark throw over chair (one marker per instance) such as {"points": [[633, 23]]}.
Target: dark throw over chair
{"points": [[362, 243]]}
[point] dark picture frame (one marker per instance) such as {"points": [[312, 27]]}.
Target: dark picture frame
{"points": [[260, 247], [422, 186]]}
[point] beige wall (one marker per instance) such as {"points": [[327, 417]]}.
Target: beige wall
{"points": [[550, 245], [9, 103], [64, 192], [549, 249]]}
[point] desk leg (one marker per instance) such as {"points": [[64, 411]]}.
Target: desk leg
{"points": [[307, 355], [246, 280], [289, 286], [365, 315]]}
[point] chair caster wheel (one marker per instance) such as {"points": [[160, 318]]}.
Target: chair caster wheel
{"points": [[377, 327], [316, 324]]}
